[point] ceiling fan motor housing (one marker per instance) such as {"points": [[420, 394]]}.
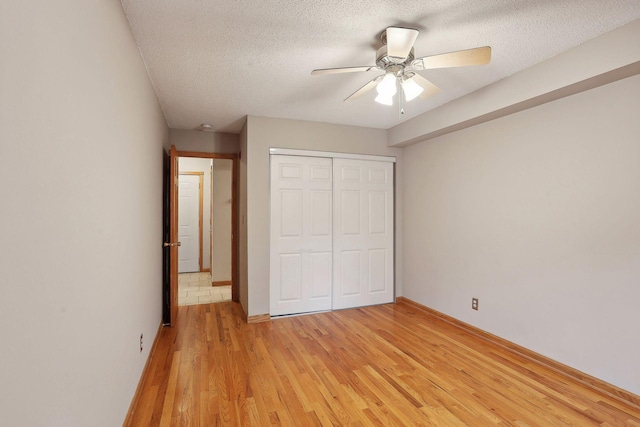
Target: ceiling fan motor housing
{"points": [[383, 60]]}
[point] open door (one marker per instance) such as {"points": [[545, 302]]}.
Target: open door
{"points": [[166, 237], [172, 243]]}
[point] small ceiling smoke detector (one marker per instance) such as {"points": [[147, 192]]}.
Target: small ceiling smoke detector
{"points": [[205, 127]]}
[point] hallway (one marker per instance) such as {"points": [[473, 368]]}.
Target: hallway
{"points": [[195, 288]]}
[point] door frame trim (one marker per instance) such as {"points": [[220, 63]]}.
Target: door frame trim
{"points": [[234, 209], [330, 154]]}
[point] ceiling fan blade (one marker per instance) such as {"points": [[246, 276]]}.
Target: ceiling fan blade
{"points": [[364, 89], [340, 70], [429, 88], [400, 41], [461, 58]]}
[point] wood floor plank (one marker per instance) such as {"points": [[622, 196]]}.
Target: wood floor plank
{"points": [[167, 403], [386, 365]]}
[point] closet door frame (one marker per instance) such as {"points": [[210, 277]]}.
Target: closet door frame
{"points": [[332, 156]]}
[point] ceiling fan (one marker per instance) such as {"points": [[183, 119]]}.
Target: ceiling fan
{"points": [[397, 60]]}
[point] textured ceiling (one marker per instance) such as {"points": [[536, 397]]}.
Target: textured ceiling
{"points": [[218, 61]]}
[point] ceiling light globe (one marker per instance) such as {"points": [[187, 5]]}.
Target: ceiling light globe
{"points": [[384, 99], [387, 87], [411, 89]]}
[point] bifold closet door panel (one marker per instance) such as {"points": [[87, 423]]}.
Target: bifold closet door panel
{"points": [[301, 260], [362, 233]]}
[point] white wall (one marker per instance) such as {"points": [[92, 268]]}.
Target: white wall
{"points": [[264, 133], [196, 164], [207, 142], [243, 274], [536, 214], [81, 137], [221, 237]]}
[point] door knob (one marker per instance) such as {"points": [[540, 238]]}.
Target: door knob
{"points": [[167, 244]]}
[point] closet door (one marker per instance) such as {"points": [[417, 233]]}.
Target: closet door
{"points": [[301, 241], [363, 233]]}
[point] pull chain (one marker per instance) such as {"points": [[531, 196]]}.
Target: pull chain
{"points": [[400, 102]]}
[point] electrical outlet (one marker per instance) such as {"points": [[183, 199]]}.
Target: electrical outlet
{"points": [[474, 303], [141, 336]]}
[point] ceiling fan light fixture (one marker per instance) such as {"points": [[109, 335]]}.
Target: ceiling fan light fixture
{"points": [[396, 58], [411, 89], [384, 99], [387, 87]]}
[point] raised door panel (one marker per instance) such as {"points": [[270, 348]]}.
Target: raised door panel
{"points": [[350, 273], [350, 212], [291, 217], [321, 214], [290, 268], [320, 275]]}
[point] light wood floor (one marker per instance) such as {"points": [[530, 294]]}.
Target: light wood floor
{"points": [[386, 365]]}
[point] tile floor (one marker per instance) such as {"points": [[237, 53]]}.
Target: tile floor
{"points": [[195, 288]]}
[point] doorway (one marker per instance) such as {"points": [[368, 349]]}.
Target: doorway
{"points": [[204, 218], [215, 279]]}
